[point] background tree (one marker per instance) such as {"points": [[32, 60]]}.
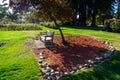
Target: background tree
{"points": [[118, 9], [80, 10], [3, 11], [89, 9]]}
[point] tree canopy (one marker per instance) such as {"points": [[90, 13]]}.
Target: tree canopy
{"points": [[48, 10], [90, 9]]}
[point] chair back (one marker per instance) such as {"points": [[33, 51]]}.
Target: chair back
{"points": [[49, 33]]}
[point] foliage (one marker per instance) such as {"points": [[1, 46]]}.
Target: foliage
{"points": [[115, 26], [3, 11], [89, 9], [107, 27], [48, 10], [20, 27]]}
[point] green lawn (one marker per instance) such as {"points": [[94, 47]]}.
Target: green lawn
{"points": [[17, 62]]}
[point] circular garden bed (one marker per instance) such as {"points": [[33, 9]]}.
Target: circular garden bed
{"points": [[80, 53]]}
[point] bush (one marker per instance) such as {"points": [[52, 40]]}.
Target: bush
{"points": [[115, 26], [107, 27], [20, 27], [49, 25]]}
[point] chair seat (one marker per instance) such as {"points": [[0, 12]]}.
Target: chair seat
{"points": [[45, 39]]}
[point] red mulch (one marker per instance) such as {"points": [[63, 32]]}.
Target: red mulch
{"points": [[78, 51]]}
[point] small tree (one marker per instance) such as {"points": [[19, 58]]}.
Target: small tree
{"points": [[48, 10]]}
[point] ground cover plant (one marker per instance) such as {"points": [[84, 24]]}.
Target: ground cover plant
{"points": [[18, 62]]}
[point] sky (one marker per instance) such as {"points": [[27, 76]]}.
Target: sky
{"points": [[7, 1]]}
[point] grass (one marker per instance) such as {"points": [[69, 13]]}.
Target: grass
{"points": [[17, 62]]}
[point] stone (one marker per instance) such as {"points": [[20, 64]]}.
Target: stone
{"points": [[56, 72], [40, 61], [95, 62], [52, 70], [90, 61], [59, 78], [102, 41], [80, 66], [61, 74], [42, 65], [52, 73], [101, 58], [50, 78], [89, 66], [47, 65], [106, 43], [41, 54], [41, 57], [111, 48], [97, 58], [78, 70], [48, 69], [72, 72], [75, 68], [85, 65], [108, 53], [53, 78], [46, 75], [66, 73]]}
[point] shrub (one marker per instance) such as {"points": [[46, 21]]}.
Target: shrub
{"points": [[115, 26], [20, 27], [107, 27]]}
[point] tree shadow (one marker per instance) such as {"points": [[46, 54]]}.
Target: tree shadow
{"points": [[84, 28], [109, 70], [72, 55]]}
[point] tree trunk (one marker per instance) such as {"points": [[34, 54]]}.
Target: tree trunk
{"points": [[62, 36], [82, 13], [118, 11], [94, 17], [61, 33], [103, 22]]}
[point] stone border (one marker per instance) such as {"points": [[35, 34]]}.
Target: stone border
{"points": [[51, 74]]}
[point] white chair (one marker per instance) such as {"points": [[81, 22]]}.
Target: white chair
{"points": [[47, 37]]}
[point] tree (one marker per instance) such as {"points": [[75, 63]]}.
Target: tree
{"points": [[89, 9], [118, 9], [100, 7], [3, 11], [49, 10], [80, 9]]}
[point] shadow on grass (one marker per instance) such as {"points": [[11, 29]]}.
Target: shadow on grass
{"points": [[109, 70], [85, 28]]}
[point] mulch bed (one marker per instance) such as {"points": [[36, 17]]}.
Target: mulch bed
{"points": [[78, 51]]}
